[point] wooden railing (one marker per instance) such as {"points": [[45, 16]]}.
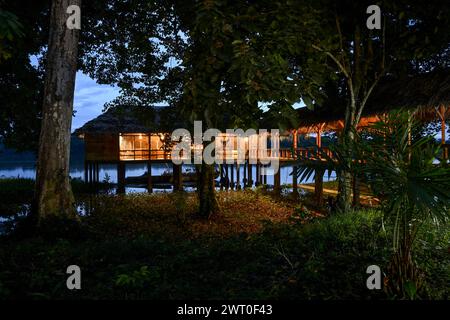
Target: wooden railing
{"points": [[283, 154], [310, 153]]}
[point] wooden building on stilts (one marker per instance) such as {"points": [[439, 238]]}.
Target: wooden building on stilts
{"points": [[125, 135]]}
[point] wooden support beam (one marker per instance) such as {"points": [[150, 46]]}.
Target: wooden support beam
{"points": [[221, 176], [238, 177], [90, 173], [265, 176], [249, 175], [227, 177], [258, 176], [149, 177], [295, 143], [232, 176], [261, 177], [121, 177], [93, 174], [294, 181], [277, 181], [97, 172], [86, 173], [318, 186], [319, 137], [177, 177], [245, 180]]}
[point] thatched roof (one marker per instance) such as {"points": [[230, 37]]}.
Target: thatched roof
{"points": [[133, 119], [423, 94]]}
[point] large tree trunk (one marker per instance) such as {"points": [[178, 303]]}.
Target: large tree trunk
{"points": [[344, 198], [53, 191], [206, 192]]}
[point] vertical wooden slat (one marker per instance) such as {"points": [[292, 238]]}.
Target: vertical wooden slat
{"points": [[149, 178]]}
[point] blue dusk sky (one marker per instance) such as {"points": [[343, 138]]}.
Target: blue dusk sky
{"points": [[90, 98]]}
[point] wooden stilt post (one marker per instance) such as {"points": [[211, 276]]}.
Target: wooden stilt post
{"points": [[249, 174], [226, 177], [97, 172], [245, 180], [238, 177], [277, 181], [86, 173], [265, 176], [232, 176], [318, 186], [177, 178], [261, 178], [221, 176], [149, 177], [121, 177], [294, 182], [93, 173], [257, 181], [90, 173]]}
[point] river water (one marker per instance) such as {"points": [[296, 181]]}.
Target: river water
{"points": [[109, 172]]}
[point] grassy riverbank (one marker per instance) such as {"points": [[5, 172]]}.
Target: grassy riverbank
{"points": [[258, 246]]}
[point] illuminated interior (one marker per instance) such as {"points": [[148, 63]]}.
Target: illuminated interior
{"points": [[143, 146], [134, 147]]}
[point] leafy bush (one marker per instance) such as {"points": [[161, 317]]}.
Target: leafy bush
{"points": [[135, 247]]}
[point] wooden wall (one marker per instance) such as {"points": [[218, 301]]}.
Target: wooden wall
{"points": [[101, 147]]}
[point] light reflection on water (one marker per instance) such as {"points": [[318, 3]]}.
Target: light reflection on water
{"points": [[109, 171]]}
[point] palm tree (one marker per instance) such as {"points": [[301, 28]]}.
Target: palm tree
{"points": [[403, 171], [414, 189]]}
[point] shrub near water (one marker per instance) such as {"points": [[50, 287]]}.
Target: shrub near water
{"points": [[153, 246], [16, 196]]}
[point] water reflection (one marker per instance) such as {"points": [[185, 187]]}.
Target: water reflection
{"points": [[108, 172]]}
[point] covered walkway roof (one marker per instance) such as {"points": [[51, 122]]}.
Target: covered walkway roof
{"points": [[427, 95]]}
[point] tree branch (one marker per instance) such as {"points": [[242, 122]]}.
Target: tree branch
{"points": [[338, 63]]}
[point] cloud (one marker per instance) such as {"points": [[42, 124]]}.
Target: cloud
{"points": [[90, 98]]}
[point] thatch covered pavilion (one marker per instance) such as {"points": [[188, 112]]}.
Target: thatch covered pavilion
{"points": [[142, 134], [426, 96]]}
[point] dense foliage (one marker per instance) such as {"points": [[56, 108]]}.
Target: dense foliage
{"points": [[152, 246]]}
